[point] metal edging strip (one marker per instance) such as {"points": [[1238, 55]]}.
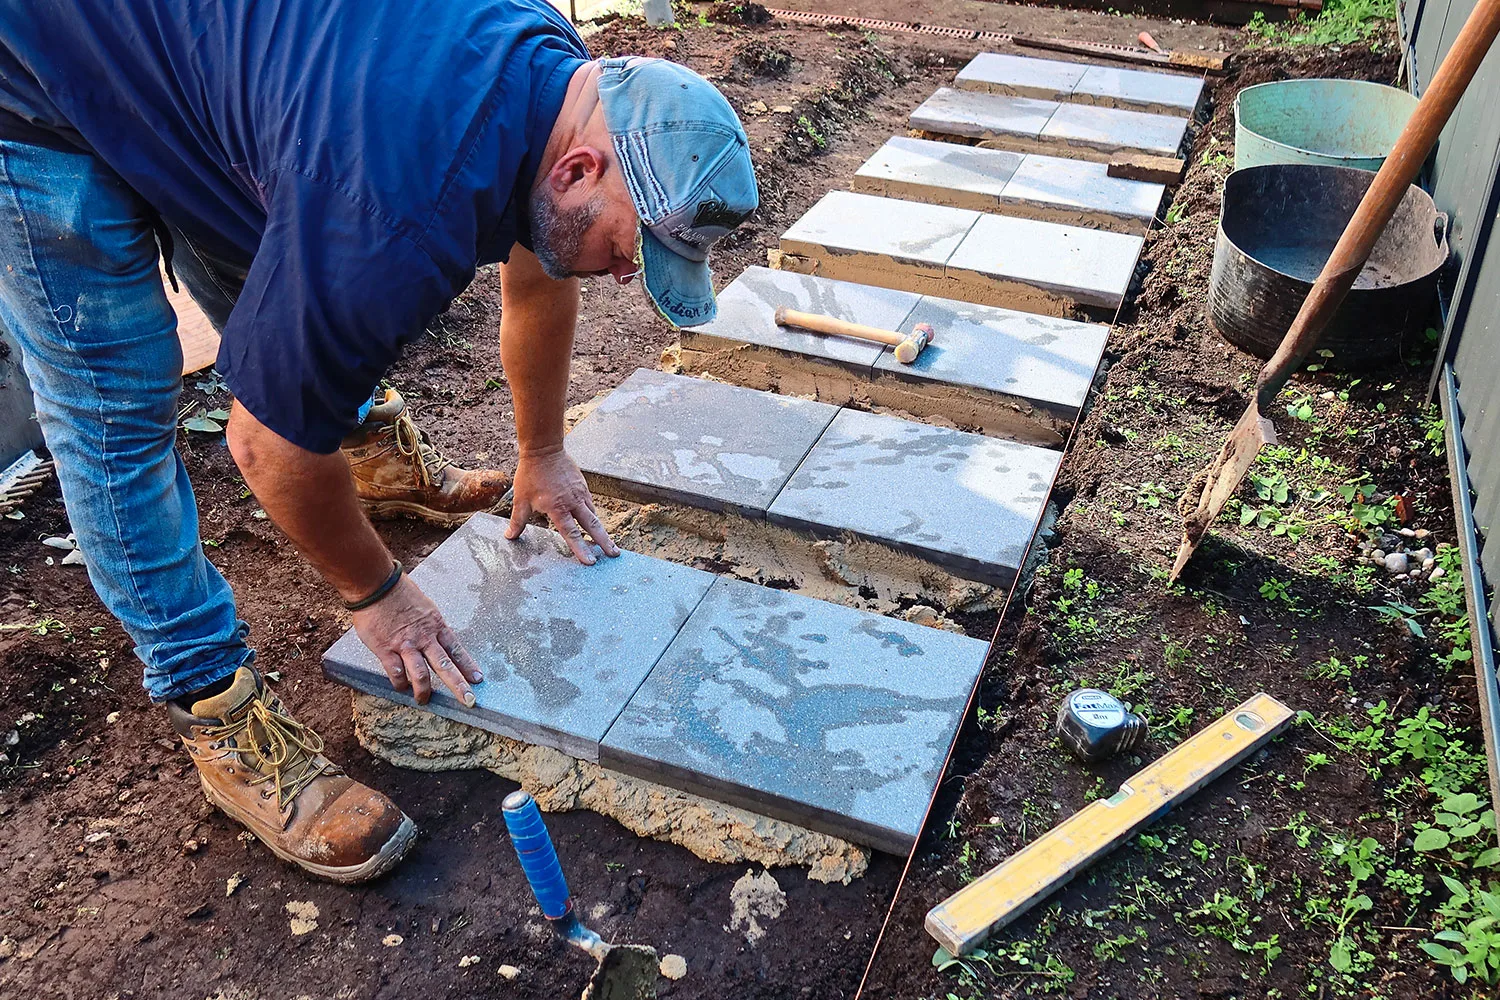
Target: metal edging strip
{"points": [[1480, 629]]}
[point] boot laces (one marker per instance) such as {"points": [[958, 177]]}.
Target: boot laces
{"points": [[412, 442], [282, 750]]}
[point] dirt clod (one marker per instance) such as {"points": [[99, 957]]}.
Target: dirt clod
{"points": [[304, 914], [755, 897]]}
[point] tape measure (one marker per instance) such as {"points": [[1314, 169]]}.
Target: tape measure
{"points": [[1094, 724]]}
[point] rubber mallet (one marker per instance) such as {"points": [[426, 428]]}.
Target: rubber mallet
{"points": [[907, 345]]}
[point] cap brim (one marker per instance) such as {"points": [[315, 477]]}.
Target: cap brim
{"points": [[681, 289]]}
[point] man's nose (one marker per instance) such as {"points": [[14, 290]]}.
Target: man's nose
{"points": [[624, 270]]}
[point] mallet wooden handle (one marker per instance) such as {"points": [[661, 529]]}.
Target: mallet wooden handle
{"points": [[838, 327]]}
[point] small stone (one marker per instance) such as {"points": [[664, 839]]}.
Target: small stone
{"points": [[392, 940], [1427, 564], [1422, 555], [233, 883], [1407, 532], [508, 972], [782, 109], [1414, 574], [7, 947], [1420, 533], [1378, 555], [1437, 575], [1397, 562], [673, 966], [112, 718], [56, 542], [468, 960], [74, 558], [191, 846]]}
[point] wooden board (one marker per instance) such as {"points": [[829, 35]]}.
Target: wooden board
{"points": [[199, 339]]}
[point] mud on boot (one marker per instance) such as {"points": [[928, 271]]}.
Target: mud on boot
{"points": [[398, 472], [266, 770]]}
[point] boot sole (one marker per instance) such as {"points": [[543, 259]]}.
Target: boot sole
{"points": [[385, 510], [389, 855]]}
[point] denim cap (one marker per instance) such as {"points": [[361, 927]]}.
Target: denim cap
{"points": [[686, 162]]}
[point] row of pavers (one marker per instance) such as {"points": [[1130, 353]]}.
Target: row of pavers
{"points": [[824, 716], [834, 718]]}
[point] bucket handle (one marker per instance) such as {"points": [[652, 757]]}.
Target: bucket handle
{"points": [[1440, 224]]}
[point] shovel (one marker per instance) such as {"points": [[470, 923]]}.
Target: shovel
{"points": [[625, 972], [1221, 480]]}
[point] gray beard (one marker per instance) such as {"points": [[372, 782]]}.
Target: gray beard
{"points": [[557, 236]]}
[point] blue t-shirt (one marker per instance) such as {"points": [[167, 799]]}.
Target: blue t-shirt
{"points": [[362, 156]]}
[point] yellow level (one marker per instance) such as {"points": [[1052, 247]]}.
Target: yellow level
{"points": [[997, 897]]}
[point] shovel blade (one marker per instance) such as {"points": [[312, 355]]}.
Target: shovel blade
{"points": [[1224, 478], [627, 972]]}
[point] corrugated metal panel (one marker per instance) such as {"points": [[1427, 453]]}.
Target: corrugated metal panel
{"points": [[18, 428], [1465, 182]]}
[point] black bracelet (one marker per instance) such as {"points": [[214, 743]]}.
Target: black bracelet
{"points": [[380, 591]]}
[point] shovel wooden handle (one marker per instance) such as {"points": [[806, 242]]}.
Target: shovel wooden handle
{"points": [[841, 328]]}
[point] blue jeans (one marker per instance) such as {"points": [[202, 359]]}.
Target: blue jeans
{"points": [[81, 293]]}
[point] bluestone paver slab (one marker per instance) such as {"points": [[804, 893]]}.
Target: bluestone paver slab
{"points": [[1080, 192], [1021, 76], [964, 501], [1027, 185], [1095, 133], [879, 241], [563, 646], [822, 715], [943, 173], [747, 314], [976, 115], [1139, 90], [1083, 83], [694, 441], [1042, 360], [1041, 261]]}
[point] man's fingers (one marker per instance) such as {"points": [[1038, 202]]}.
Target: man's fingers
{"points": [[461, 656], [520, 513], [588, 519], [445, 668], [568, 528], [417, 673], [394, 669]]}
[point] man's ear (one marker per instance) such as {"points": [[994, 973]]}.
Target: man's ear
{"points": [[581, 165]]}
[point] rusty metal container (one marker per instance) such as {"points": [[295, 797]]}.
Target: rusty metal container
{"points": [[1277, 228]]}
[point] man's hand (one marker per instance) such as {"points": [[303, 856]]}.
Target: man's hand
{"points": [[549, 483], [406, 632]]}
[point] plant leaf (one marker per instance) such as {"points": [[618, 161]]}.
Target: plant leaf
{"points": [[1431, 839], [202, 424]]}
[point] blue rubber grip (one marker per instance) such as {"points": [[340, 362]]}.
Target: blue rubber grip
{"points": [[538, 857]]}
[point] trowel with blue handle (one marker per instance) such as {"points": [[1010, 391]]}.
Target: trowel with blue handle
{"points": [[625, 972]]}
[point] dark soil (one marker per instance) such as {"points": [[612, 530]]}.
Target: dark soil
{"points": [[115, 872], [1249, 859]]}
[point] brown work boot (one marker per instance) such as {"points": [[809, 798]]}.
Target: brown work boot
{"points": [[266, 770], [398, 472]]}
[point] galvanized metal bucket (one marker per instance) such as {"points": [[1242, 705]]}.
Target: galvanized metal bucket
{"points": [[1278, 227], [1338, 123]]}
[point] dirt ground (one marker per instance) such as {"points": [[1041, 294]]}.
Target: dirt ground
{"points": [[1295, 875], [115, 873], [115, 877]]}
